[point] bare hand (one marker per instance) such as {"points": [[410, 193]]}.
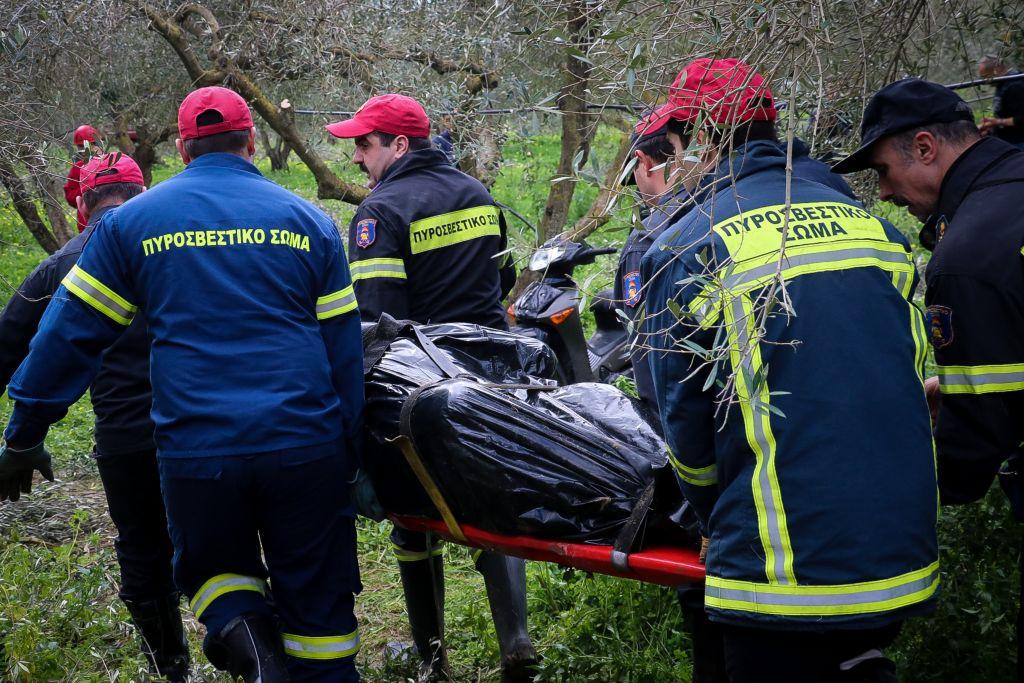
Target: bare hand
{"points": [[934, 396], [990, 122]]}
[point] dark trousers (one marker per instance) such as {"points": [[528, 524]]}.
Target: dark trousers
{"points": [[131, 482], [759, 655], [708, 655], [294, 505]]}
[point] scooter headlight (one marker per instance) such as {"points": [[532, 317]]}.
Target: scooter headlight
{"points": [[542, 258]]}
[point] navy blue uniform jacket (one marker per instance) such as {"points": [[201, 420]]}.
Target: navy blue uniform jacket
{"points": [[815, 480]]}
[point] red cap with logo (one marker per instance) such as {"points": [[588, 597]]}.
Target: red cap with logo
{"points": [[116, 167], [725, 91], [655, 121], [391, 114], [233, 110], [83, 133]]}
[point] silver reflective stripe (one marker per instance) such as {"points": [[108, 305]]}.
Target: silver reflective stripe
{"points": [[218, 587], [768, 269], [362, 270], [99, 296], [327, 647], [965, 380], [901, 281], [765, 596], [349, 300], [763, 480]]}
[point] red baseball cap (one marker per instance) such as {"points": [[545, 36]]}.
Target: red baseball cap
{"points": [[83, 133], [654, 122], [391, 114], [115, 167], [232, 109], [726, 91]]}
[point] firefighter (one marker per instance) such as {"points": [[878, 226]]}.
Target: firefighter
{"points": [[425, 247], [257, 393], [125, 452], [821, 523], [920, 138], [1007, 120], [86, 140]]}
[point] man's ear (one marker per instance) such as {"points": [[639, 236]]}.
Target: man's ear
{"points": [[925, 147], [643, 162], [251, 145], [82, 208], [180, 144], [401, 146]]}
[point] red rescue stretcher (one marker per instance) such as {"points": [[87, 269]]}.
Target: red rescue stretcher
{"points": [[666, 566]]}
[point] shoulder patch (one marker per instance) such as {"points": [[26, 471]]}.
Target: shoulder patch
{"points": [[940, 326], [366, 232], [632, 283]]}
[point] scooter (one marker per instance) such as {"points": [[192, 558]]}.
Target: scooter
{"points": [[548, 310]]}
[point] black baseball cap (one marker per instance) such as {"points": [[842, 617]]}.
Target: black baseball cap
{"points": [[901, 106]]}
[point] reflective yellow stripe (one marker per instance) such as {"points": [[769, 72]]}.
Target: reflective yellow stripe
{"points": [[451, 228], [99, 296], [377, 267], [823, 601], [330, 305], [321, 647], [702, 476], [736, 278], [745, 355], [404, 555], [221, 584], [981, 379]]}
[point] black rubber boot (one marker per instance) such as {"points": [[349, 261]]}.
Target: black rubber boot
{"points": [[505, 580], [423, 583], [162, 636], [249, 646]]}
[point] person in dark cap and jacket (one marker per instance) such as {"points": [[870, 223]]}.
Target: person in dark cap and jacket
{"points": [[921, 140]]}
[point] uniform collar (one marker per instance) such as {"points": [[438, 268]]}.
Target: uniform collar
{"points": [[667, 207], [961, 178], [223, 160], [421, 158], [96, 215]]}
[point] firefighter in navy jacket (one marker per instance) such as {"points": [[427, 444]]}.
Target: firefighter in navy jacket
{"points": [[428, 245], [257, 392], [816, 489]]}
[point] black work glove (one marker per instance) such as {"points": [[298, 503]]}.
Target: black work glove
{"points": [[365, 498], [18, 467]]}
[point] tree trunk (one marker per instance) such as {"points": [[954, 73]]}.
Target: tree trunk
{"points": [[577, 129], [51, 196], [600, 211], [24, 204]]}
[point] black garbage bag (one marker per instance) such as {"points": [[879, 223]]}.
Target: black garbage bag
{"points": [[510, 451]]}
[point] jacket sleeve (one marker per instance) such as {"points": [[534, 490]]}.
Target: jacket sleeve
{"points": [[89, 311], [978, 337], [336, 309], [686, 409], [376, 252], [20, 318]]}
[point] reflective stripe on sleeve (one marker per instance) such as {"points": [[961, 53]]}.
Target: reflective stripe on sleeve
{"points": [[99, 296], [823, 601], [702, 476], [321, 647], [377, 267], [981, 379], [330, 305], [404, 555], [221, 584]]}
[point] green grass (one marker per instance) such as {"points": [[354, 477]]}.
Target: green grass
{"points": [[60, 619]]}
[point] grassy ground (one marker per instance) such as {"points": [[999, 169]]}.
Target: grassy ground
{"points": [[60, 619]]}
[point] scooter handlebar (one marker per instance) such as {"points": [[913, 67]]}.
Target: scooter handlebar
{"points": [[602, 251]]}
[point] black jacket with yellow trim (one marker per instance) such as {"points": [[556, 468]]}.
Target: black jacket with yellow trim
{"points": [[427, 245], [975, 301]]}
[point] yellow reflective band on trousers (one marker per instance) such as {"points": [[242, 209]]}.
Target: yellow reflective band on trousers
{"points": [[99, 296], [377, 267], [321, 647], [220, 585], [404, 555], [745, 355], [981, 379], [330, 305], [700, 476], [822, 601], [454, 227]]}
